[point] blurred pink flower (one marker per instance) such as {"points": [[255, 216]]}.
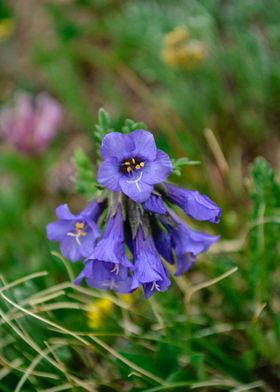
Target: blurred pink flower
{"points": [[30, 124]]}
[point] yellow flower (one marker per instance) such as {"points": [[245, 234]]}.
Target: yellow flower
{"points": [[180, 52], [7, 28], [127, 299], [98, 311]]}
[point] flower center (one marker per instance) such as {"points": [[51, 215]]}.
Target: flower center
{"points": [[80, 232], [131, 164], [80, 226]]}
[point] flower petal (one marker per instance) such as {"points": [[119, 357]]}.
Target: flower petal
{"points": [[109, 174], [137, 190], [155, 204], [187, 240], [196, 205], [153, 287], [70, 249], [185, 263], [56, 231], [93, 210], [118, 145], [88, 243], [63, 212], [145, 146], [99, 276], [158, 170], [163, 244]]}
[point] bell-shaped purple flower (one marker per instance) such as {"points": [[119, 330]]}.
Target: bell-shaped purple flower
{"points": [[149, 270], [32, 123], [132, 164], [77, 234], [187, 242], [106, 276], [111, 248], [194, 204]]}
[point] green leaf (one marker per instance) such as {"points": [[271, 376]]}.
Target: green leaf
{"points": [[130, 126], [85, 178], [179, 163]]}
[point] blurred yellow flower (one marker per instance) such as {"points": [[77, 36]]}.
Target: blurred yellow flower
{"points": [[177, 36], [127, 299], [180, 52], [7, 28], [98, 311]]}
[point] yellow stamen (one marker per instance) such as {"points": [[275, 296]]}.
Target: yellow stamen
{"points": [[142, 164], [126, 163], [137, 167], [133, 161], [79, 229], [128, 169]]}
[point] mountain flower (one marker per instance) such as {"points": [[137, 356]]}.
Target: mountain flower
{"points": [[140, 230], [197, 206], [149, 270], [186, 242], [77, 234], [31, 123], [111, 248], [132, 164]]}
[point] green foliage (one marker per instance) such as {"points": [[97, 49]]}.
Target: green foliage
{"points": [[102, 128], [179, 163], [85, 178], [198, 335], [264, 231], [130, 126]]}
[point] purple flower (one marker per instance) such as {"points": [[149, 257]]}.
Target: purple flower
{"points": [[106, 276], [132, 164], [194, 204], [77, 234], [111, 248], [149, 270], [32, 123], [187, 242]]}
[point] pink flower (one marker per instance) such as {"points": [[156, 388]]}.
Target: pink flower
{"points": [[30, 124]]}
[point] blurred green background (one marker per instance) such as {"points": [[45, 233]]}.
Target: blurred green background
{"points": [[205, 78]]}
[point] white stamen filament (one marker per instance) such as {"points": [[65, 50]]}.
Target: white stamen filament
{"points": [[77, 237], [111, 284], [136, 181], [155, 286], [116, 269]]}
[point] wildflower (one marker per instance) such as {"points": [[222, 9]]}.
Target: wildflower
{"points": [[149, 269], [132, 164], [141, 231], [197, 206], [111, 248], [186, 242], [176, 37], [31, 123], [98, 311], [77, 234], [180, 51]]}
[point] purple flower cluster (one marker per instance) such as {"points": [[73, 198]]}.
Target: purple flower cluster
{"points": [[31, 123], [141, 231]]}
